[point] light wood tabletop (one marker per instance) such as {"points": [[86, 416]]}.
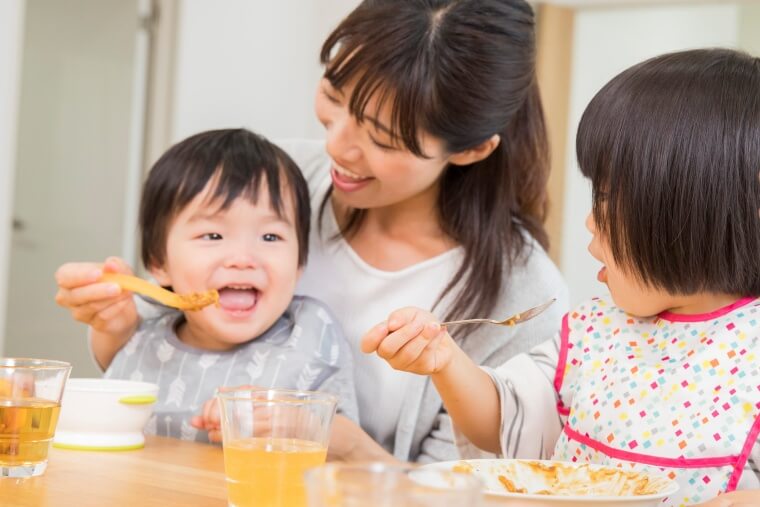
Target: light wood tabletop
{"points": [[166, 472]]}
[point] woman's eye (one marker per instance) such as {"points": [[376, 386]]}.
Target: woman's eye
{"points": [[331, 98], [271, 237], [212, 236], [380, 145]]}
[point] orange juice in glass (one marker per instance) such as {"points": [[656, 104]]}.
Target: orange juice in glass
{"points": [[30, 400], [271, 437]]}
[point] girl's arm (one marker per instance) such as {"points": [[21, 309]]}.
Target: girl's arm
{"points": [[746, 498]]}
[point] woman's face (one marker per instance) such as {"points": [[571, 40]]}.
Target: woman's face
{"points": [[370, 168]]}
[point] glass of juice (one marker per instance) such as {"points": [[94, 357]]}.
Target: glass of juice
{"points": [[386, 485], [270, 437], [30, 400]]}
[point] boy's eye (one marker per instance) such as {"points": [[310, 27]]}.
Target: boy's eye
{"points": [[271, 237], [212, 236]]}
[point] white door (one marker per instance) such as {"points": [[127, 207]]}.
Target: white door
{"points": [[78, 161]]}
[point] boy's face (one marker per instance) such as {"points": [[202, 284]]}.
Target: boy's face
{"points": [[246, 252]]}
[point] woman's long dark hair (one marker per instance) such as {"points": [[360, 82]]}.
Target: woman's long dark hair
{"points": [[461, 70]]}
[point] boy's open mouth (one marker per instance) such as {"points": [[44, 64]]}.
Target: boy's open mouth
{"points": [[238, 298]]}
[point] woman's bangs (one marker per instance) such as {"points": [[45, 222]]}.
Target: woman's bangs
{"points": [[382, 76]]}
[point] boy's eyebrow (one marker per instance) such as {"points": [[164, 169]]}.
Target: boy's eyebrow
{"points": [[271, 216], [205, 215]]}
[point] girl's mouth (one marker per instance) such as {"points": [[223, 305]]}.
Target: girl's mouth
{"points": [[238, 299], [602, 275], [347, 181]]}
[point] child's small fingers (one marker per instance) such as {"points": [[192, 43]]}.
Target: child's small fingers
{"points": [[372, 338], [76, 274], [211, 413], [115, 308], [215, 436], [117, 265], [197, 422]]}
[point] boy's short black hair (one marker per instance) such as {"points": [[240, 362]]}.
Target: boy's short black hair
{"points": [[239, 161], [672, 148]]}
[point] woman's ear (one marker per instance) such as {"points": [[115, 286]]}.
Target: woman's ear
{"points": [[477, 153]]}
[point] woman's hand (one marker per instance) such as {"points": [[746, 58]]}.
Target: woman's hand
{"points": [[747, 498], [411, 340], [348, 442], [102, 306]]}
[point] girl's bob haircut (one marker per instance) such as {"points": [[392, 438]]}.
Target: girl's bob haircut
{"points": [[672, 148]]}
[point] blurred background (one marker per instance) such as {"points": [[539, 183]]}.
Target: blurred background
{"points": [[92, 91]]}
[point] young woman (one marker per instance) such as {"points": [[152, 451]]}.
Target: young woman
{"points": [[430, 191]]}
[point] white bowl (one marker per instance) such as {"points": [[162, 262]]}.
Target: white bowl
{"points": [[104, 414], [532, 476]]}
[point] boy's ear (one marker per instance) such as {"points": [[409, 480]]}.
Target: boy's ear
{"points": [[161, 276], [476, 153]]}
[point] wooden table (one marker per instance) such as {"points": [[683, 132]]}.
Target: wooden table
{"points": [[166, 472]]}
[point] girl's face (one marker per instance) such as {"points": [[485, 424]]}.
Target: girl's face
{"points": [[627, 291], [247, 252], [372, 169]]}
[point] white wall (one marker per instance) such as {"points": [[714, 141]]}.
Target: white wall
{"points": [[251, 63], [11, 36], [606, 41]]}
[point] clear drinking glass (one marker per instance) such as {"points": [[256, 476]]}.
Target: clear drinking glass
{"points": [[270, 437], [381, 485], [30, 400]]}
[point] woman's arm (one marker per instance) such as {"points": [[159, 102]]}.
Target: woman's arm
{"points": [[348, 442], [512, 409], [413, 341]]}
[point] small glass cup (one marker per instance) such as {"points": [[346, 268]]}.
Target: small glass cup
{"points": [[270, 437], [383, 485], [30, 400]]}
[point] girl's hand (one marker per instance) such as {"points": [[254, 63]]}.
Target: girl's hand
{"points": [[103, 306], [747, 498], [411, 340]]}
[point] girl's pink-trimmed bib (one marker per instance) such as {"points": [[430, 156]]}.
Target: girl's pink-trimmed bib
{"points": [[677, 392]]}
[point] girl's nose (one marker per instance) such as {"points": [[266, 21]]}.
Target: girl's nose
{"points": [[590, 223], [342, 137]]}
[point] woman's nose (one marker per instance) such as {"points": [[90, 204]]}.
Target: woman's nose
{"points": [[342, 135]]}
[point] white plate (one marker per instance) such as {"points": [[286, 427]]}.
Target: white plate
{"points": [[524, 475]]}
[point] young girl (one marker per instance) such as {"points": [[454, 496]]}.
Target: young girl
{"points": [[664, 372]]}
